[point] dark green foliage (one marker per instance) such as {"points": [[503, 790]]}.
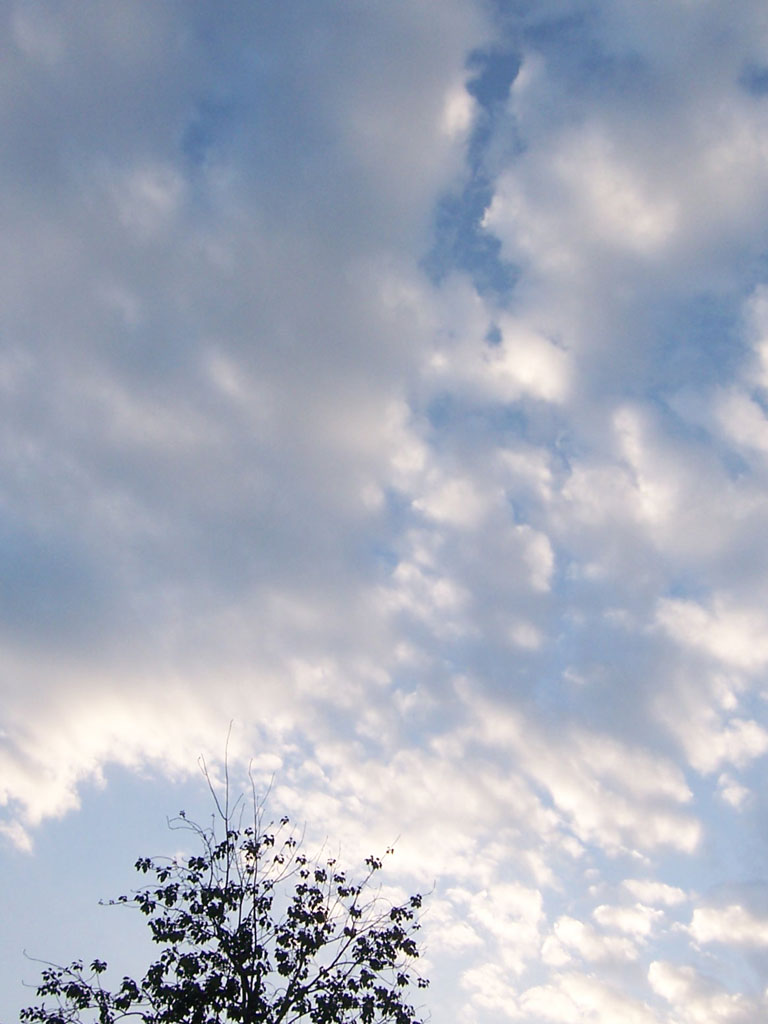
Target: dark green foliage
{"points": [[251, 930]]}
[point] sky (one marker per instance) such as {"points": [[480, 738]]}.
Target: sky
{"points": [[384, 386]]}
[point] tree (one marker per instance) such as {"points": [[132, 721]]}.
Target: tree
{"points": [[252, 930]]}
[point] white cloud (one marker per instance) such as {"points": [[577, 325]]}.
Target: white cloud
{"points": [[756, 316], [733, 925], [436, 600], [449, 930], [731, 791], [572, 937], [638, 920], [742, 419], [621, 208], [455, 501], [635, 179], [147, 198], [732, 634], [525, 635], [709, 737], [648, 891], [697, 999], [537, 555], [603, 200], [458, 111], [571, 998], [513, 914], [17, 835], [490, 989], [609, 793], [524, 363], [527, 469]]}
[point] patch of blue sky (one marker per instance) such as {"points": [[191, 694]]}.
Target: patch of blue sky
{"points": [[461, 243], [493, 72], [115, 824], [211, 126], [494, 336], [754, 79], [698, 342], [579, 36], [593, 676], [466, 422]]}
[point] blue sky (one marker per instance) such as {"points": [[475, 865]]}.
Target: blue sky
{"points": [[391, 382]]}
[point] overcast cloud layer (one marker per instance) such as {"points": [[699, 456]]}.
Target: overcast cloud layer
{"points": [[391, 379]]}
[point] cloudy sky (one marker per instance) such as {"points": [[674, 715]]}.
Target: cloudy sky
{"points": [[390, 380]]}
